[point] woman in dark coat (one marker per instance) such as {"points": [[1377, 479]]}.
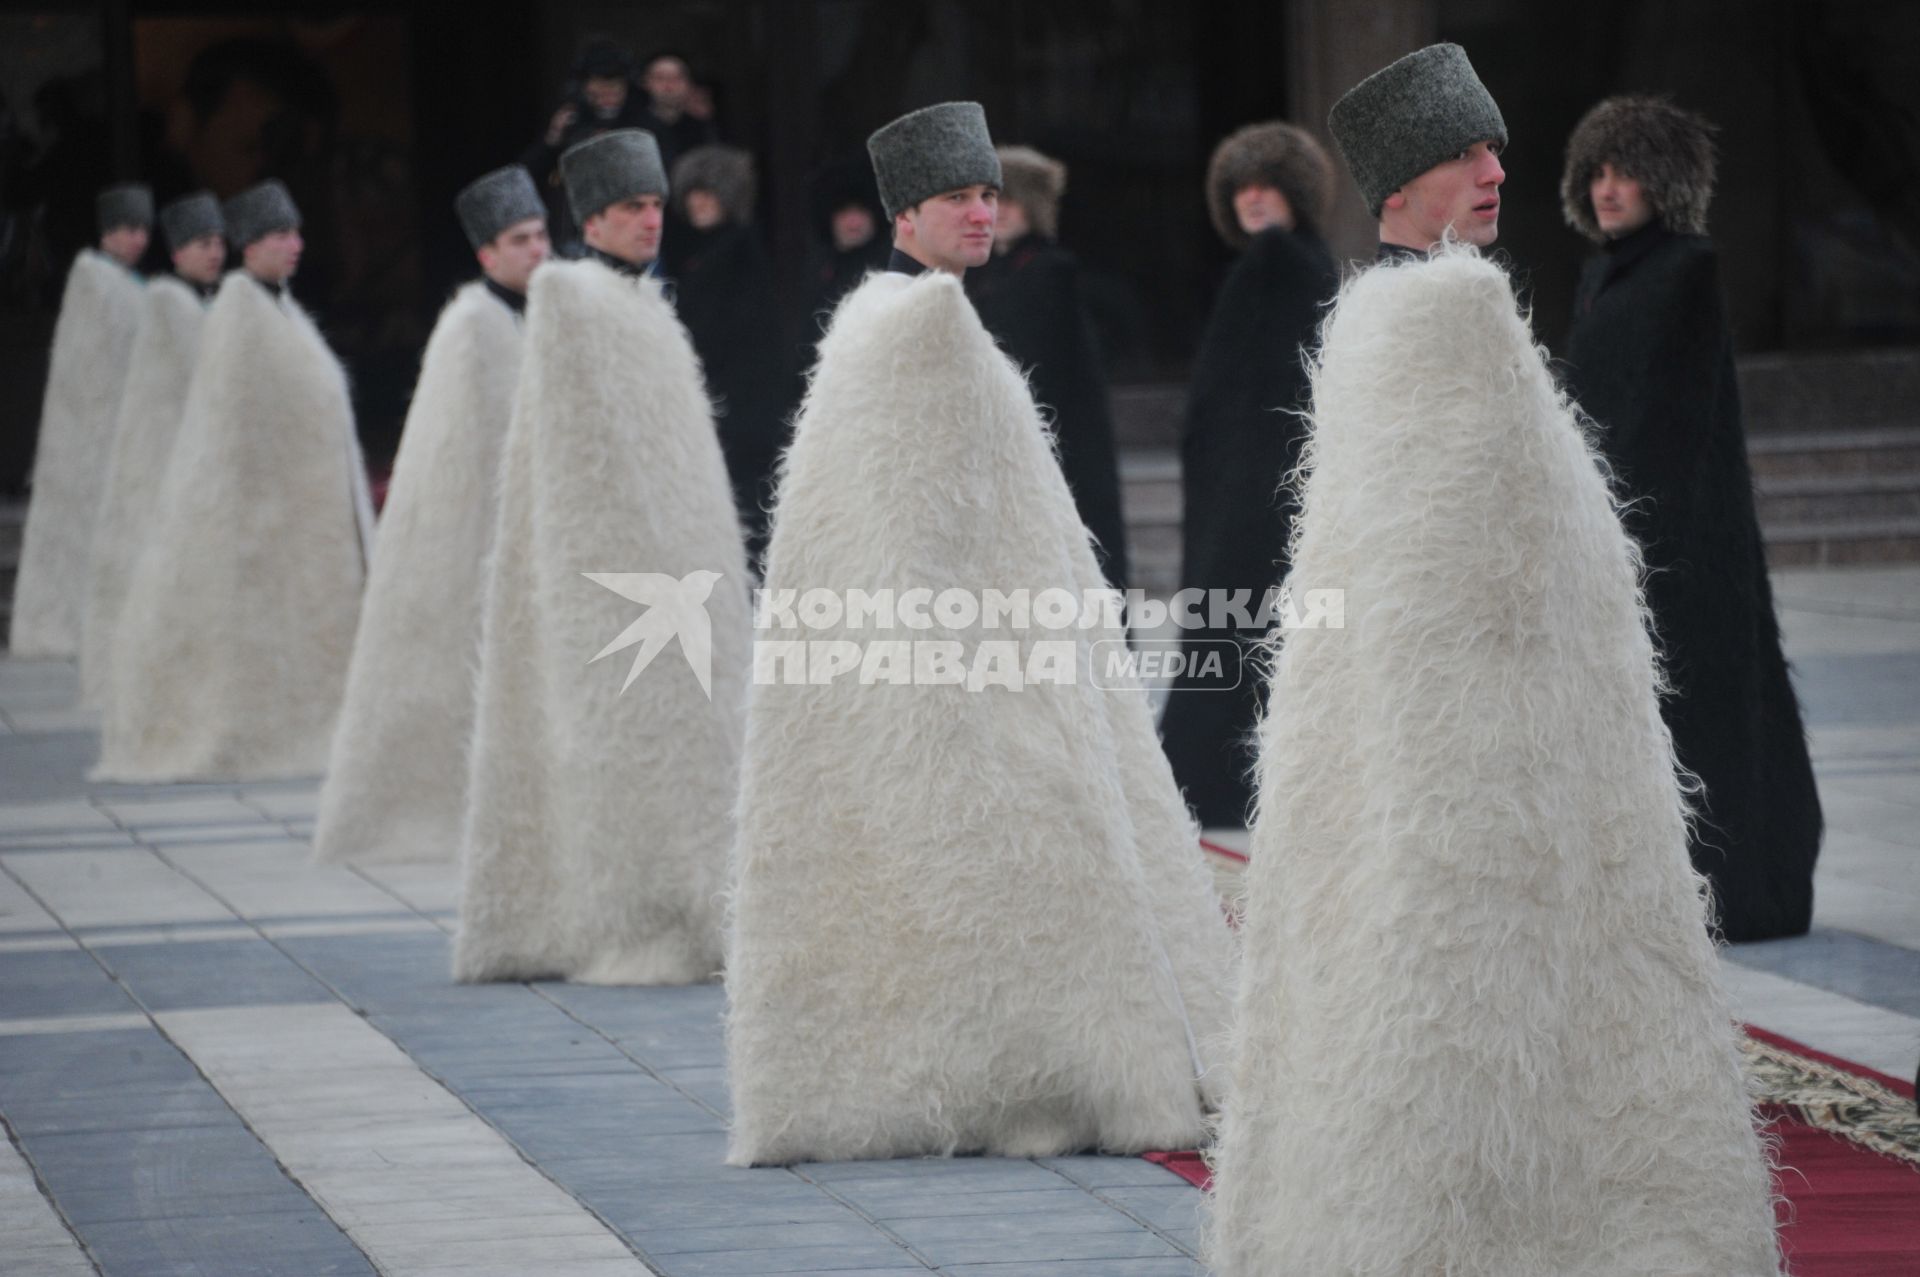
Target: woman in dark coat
{"points": [[725, 296], [1651, 360], [1268, 189], [1028, 296]]}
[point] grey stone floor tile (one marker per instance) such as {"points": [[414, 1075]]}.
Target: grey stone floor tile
{"points": [[49, 1066], [174, 977], [1174, 1207], [185, 1104], [919, 1201], [1130, 1242], [1866, 970], [851, 1231], [116, 1175], [59, 982], [1085, 1217], [1083, 1268], [797, 1259], [1111, 1172], [288, 1244]]}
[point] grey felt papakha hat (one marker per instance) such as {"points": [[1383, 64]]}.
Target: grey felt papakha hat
{"points": [[610, 167], [931, 151], [124, 204], [1411, 115], [259, 211], [494, 201], [190, 217]]}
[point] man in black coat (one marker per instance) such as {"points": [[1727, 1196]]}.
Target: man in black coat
{"points": [[725, 297], [1650, 358], [1028, 296], [1268, 189]]}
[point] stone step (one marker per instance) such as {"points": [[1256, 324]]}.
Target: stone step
{"points": [[1829, 498], [1817, 391], [1843, 541], [1833, 452]]}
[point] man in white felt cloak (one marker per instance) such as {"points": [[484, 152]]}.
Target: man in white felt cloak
{"points": [[99, 315], [396, 785], [1480, 1027], [158, 370], [230, 654], [613, 660], [970, 911]]}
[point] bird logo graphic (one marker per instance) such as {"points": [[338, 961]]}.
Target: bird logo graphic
{"points": [[674, 608]]}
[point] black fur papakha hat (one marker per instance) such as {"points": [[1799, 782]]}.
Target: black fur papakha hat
{"points": [[610, 167], [931, 151], [1273, 154], [1667, 150], [259, 211], [189, 217], [1035, 181], [724, 172], [124, 204], [494, 201], [1411, 115]]}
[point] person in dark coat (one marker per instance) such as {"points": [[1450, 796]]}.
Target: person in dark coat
{"points": [[1028, 296], [1650, 359], [1269, 187], [725, 297], [850, 225]]}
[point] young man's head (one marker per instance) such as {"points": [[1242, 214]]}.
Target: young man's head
{"points": [[1032, 185], [1636, 160], [1267, 176], [196, 236], [506, 223], [263, 222], [1423, 138], [939, 181], [618, 189], [604, 70], [125, 216], [852, 226]]}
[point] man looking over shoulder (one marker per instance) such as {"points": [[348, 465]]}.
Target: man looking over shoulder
{"points": [[953, 229], [1423, 139]]}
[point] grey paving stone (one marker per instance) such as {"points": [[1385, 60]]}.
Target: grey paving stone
{"points": [[1112, 1172], [850, 1231], [285, 1244], [1172, 1208], [1866, 970], [162, 1174], [639, 1210], [913, 1200], [59, 982], [961, 1174], [50, 1066], [1083, 1268], [1033, 1245], [180, 975], [797, 1259], [1067, 1219], [184, 1104]]}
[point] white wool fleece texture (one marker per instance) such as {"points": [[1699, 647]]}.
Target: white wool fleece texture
{"points": [[148, 421], [598, 821], [1480, 1027], [396, 785], [963, 920], [230, 656], [99, 315]]}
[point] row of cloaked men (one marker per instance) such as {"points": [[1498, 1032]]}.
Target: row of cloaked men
{"points": [[1478, 1024]]}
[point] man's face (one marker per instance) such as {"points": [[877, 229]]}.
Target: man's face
{"points": [[1259, 206], [1010, 224], [125, 244], [668, 83], [629, 229], [950, 231], [1461, 194], [606, 94], [273, 257], [704, 210], [1619, 205], [200, 260], [853, 226], [510, 258]]}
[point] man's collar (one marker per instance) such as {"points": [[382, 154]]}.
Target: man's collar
{"points": [[515, 302], [278, 290], [1398, 253], [901, 264], [621, 264], [204, 292]]}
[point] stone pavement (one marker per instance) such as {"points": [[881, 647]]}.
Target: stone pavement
{"points": [[216, 1058]]}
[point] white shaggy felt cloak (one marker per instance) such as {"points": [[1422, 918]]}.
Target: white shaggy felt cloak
{"points": [[99, 315], [230, 655], [963, 920], [598, 819], [148, 422], [396, 785], [1480, 1027]]}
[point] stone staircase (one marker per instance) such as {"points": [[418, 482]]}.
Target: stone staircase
{"points": [[1833, 439]]}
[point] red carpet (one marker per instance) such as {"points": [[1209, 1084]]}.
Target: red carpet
{"points": [[1848, 1211]]}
